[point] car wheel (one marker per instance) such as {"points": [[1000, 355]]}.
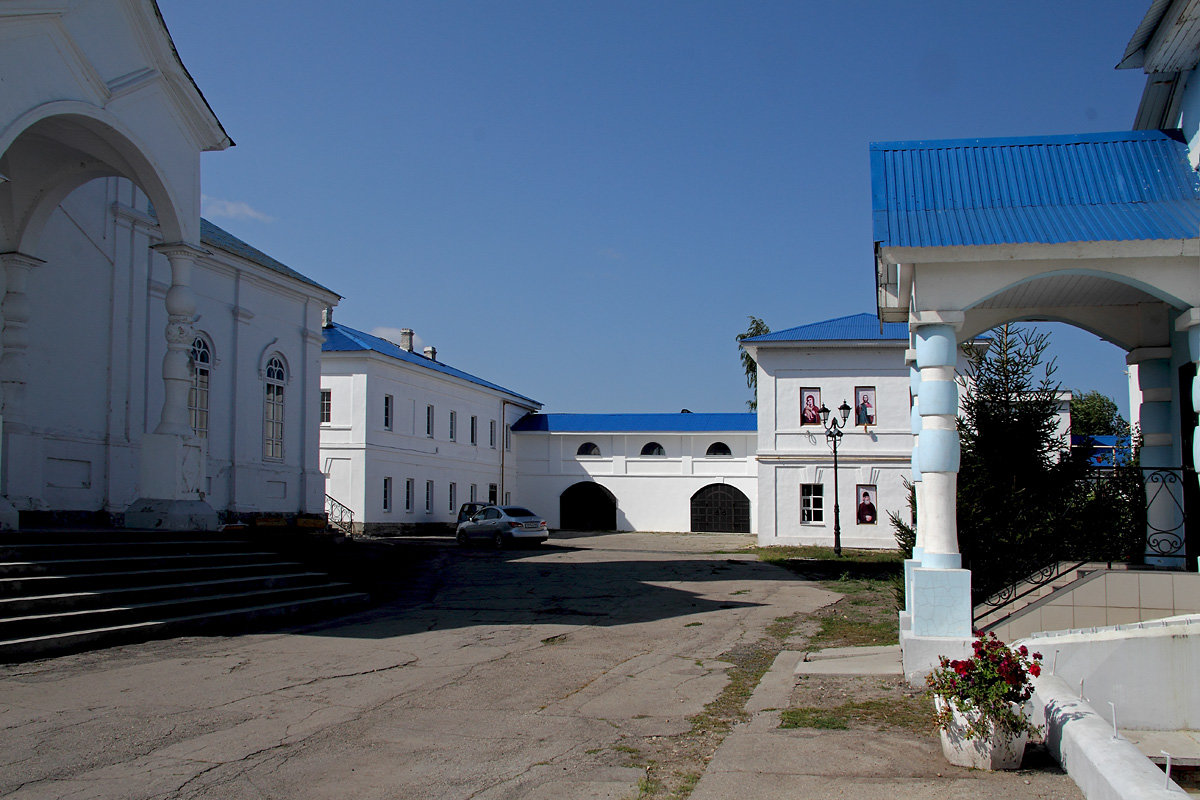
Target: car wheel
{"points": [[461, 538], [498, 541]]}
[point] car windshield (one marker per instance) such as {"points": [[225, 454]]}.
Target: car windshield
{"points": [[517, 511]]}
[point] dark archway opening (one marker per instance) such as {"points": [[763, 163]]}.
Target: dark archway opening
{"points": [[587, 507], [720, 507]]}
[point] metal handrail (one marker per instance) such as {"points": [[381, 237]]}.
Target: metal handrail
{"points": [[1009, 595], [339, 517]]}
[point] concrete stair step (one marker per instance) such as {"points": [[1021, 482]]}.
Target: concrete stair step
{"points": [[128, 563], [92, 597], [56, 622], [115, 548], [227, 621], [54, 583]]}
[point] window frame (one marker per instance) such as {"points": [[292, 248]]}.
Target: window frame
{"points": [[492, 433], [428, 497], [812, 504], [326, 406], [429, 418], [595, 447], [452, 494], [662, 451], [274, 409], [708, 453], [454, 426], [202, 353], [474, 429], [410, 489], [387, 494], [389, 412]]}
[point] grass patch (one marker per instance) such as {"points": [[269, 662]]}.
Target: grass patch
{"points": [[881, 713]]}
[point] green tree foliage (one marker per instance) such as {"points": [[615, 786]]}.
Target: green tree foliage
{"points": [[1095, 414], [1024, 498], [757, 328]]}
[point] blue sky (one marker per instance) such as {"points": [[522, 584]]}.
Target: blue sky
{"points": [[583, 201]]}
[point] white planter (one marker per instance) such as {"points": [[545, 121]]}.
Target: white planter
{"points": [[994, 752]]}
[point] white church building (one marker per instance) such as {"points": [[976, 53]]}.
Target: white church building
{"points": [[154, 369]]}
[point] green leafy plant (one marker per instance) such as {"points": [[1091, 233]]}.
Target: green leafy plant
{"points": [[990, 688]]}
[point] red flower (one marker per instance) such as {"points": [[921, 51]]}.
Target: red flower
{"points": [[1035, 670], [1023, 650]]}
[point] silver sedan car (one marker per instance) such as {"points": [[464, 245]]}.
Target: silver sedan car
{"points": [[503, 526]]}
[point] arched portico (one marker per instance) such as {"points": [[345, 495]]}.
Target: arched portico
{"points": [[90, 115], [587, 506], [1100, 231]]}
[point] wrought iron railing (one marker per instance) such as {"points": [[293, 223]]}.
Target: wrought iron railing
{"points": [[339, 517], [1148, 516]]}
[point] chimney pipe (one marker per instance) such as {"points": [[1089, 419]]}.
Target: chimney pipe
{"points": [[406, 337], [431, 352], [326, 316]]}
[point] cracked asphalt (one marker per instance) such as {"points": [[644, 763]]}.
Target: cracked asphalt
{"points": [[514, 674]]}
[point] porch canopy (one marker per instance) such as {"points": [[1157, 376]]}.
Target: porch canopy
{"points": [[1099, 230]]}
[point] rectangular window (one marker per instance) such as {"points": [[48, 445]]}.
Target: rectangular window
{"points": [[507, 498], [492, 433], [326, 405], [508, 437], [452, 492], [387, 494], [454, 426], [409, 490], [474, 492], [474, 430], [428, 497], [388, 404], [429, 421], [812, 502], [493, 492]]}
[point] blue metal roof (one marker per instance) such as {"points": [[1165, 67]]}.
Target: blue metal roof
{"points": [[341, 338], [855, 326], [1096, 187], [638, 423], [216, 236]]}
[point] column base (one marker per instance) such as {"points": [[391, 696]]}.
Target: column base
{"points": [[941, 602], [920, 655], [909, 565], [171, 515], [1178, 562], [10, 518]]}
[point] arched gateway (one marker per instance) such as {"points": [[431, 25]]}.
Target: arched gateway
{"points": [[720, 508], [587, 506]]}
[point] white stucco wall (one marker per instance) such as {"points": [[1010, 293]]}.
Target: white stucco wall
{"points": [[95, 352], [358, 452], [653, 493]]}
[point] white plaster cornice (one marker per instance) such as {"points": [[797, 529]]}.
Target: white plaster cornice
{"points": [[1147, 354], [1187, 320], [1149, 248]]}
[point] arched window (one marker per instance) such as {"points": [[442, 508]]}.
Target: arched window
{"points": [[588, 449], [653, 449], [275, 377], [718, 449], [202, 361]]}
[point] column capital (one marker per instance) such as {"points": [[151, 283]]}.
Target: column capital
{"points": [[15, 259], [954, 319], [910, 356], [1140, 354], [1187, 320], [180, 250]]}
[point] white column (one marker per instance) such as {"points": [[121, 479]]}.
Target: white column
{"points": [[941, 590], [14, 360], [914, 388], [173, 458], [1164, 494], [1188, 324]]}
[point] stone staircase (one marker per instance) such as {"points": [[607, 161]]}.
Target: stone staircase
{"points": [[988, 617], [64, 591]]}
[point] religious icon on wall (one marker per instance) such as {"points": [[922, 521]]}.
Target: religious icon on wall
{"points": [[864, 405], [866, 494], [810, 406]]}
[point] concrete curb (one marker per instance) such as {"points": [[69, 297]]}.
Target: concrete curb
{"points": [[1104, 767]]}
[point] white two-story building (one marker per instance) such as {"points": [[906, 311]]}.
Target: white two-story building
{"points": [[406, 439]]}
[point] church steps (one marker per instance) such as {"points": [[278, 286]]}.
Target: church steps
{"points": [[124, 595], [221, 622], [48, 583], [69, 590]]}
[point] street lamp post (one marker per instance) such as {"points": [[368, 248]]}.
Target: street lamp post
{"points": [[833, 432]]}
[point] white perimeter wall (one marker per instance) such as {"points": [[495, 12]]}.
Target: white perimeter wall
{"points": [[653, 493]]}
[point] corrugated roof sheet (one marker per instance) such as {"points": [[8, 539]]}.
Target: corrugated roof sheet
{"points": [[216, 236], [1097, 187], [638, 423], [855, 326], [341, 338]]}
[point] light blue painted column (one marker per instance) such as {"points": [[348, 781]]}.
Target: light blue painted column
{"points": [[914, 388], [1188, 324], [941, 589], [1164, 499]]}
